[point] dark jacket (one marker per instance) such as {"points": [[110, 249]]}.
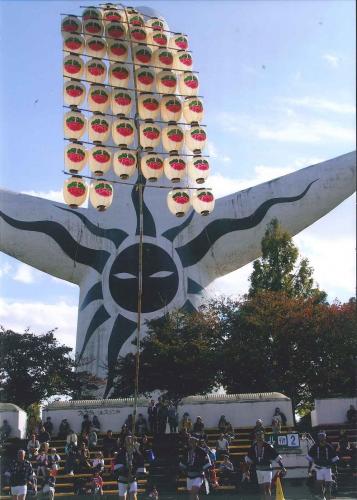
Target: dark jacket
{"points": [[195, 462], [20, 473], [127, 468], [263, 458], [322, 456]]}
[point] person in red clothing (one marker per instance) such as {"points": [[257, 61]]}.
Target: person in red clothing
{"points": [[97, 484]]}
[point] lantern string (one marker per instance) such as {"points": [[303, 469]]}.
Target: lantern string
{"points": [[128, 23], [99, 113], [129, 63], [127, 183], [133, 149], [127, 88]]}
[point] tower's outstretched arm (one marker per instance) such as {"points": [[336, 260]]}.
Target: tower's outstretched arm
{"points": [[230, 237], [48, 236]]}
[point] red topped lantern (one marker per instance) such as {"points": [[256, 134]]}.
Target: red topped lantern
{"points": [[172, 138], [178, 41], [145, 78], [148, 107], [73, 42], [157, 38], [99, 159], [73, 66], [122, 102], [115, 30], [138, 34], [123, 132], [183, 61], [75, 157], [162, 59], [124, 163], [188, 84], [152, 166], [166, 82], [170, 108], [101, 194], [91, 13], [75, 191], [98, 128], [135, 19], [96, 71], [203, 201], [150, 135], [142, 54], [198, 169], [73, 93], [155, 24], [96, 47], [98, 98], [117, 50], [111, 13], [193, 110], [119, 75], [174, 168], [178, 201], [71, 24], [196, 138], [74, 125], [93, 27]]}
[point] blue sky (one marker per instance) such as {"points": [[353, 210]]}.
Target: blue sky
{"points": [[279, 84]]}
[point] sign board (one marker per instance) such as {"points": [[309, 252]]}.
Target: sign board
{"points": [[286, 440]]}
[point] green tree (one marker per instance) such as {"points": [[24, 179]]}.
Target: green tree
{"points": [[179, 356], [36, 367], [279, 270]]}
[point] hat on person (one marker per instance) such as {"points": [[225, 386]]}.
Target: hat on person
{"points": [[321, 434]]}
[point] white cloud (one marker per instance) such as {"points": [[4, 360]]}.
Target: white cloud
{"points": [[321, 104], [40, 318], [48, 195], [24, 274], [332, 60], [5, 270], [211, 149]]}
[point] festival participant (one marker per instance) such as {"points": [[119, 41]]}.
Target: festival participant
{"points": [[322, 455], [97, 484], [53, 461], [261, 454], [63, 429], [222, 446], [109, 444], [33, 446], [5, 430], [21, 475], [280, 416], [129, 464], [48, 425], [98, 462], [152, 417], [194, 463], [48, 485]]}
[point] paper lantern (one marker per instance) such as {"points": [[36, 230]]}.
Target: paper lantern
{"points": [[73, 66], [166, 82], [174, 168], [96, 71], [91, 13], [71, 24], [74, 191], [162, 59], [157, 38], [182, 61], [144, 78], [138, 34], [98, 128], [188, 84], [193, 110], [124, 163], [152, 166], [93, 27], [142, 54], [195, 138], [96, 47], [178, 41], [98, 98], [123, 132], [170, 108], [172, 138], [117, 50], [75, 157], [178, 201], [148, 106], [99, 159], [122, 102], [74, 43], [135, 19], [203, 201], [111, 13], [150, 135], [115, 30], [198, 169], [101, 194], [155, 24], [119, 75], [74, 125], [73, 93]]}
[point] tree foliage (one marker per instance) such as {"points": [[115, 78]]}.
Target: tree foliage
{"points": [[279, 270]]}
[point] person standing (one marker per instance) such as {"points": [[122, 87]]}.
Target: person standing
{"points": [[323, 456], [194, 463], [128, 464], [172, 417], [21, 474], [152, 417], [261, 454]]}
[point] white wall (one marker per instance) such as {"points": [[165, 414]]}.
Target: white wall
{"points": [[331, 411], [17, 420]]}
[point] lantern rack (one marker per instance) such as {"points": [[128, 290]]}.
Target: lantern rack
{"points": [[136, 90], [127, 22], [99, 113], [89, 143], [127, 183], [129, 62]]}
